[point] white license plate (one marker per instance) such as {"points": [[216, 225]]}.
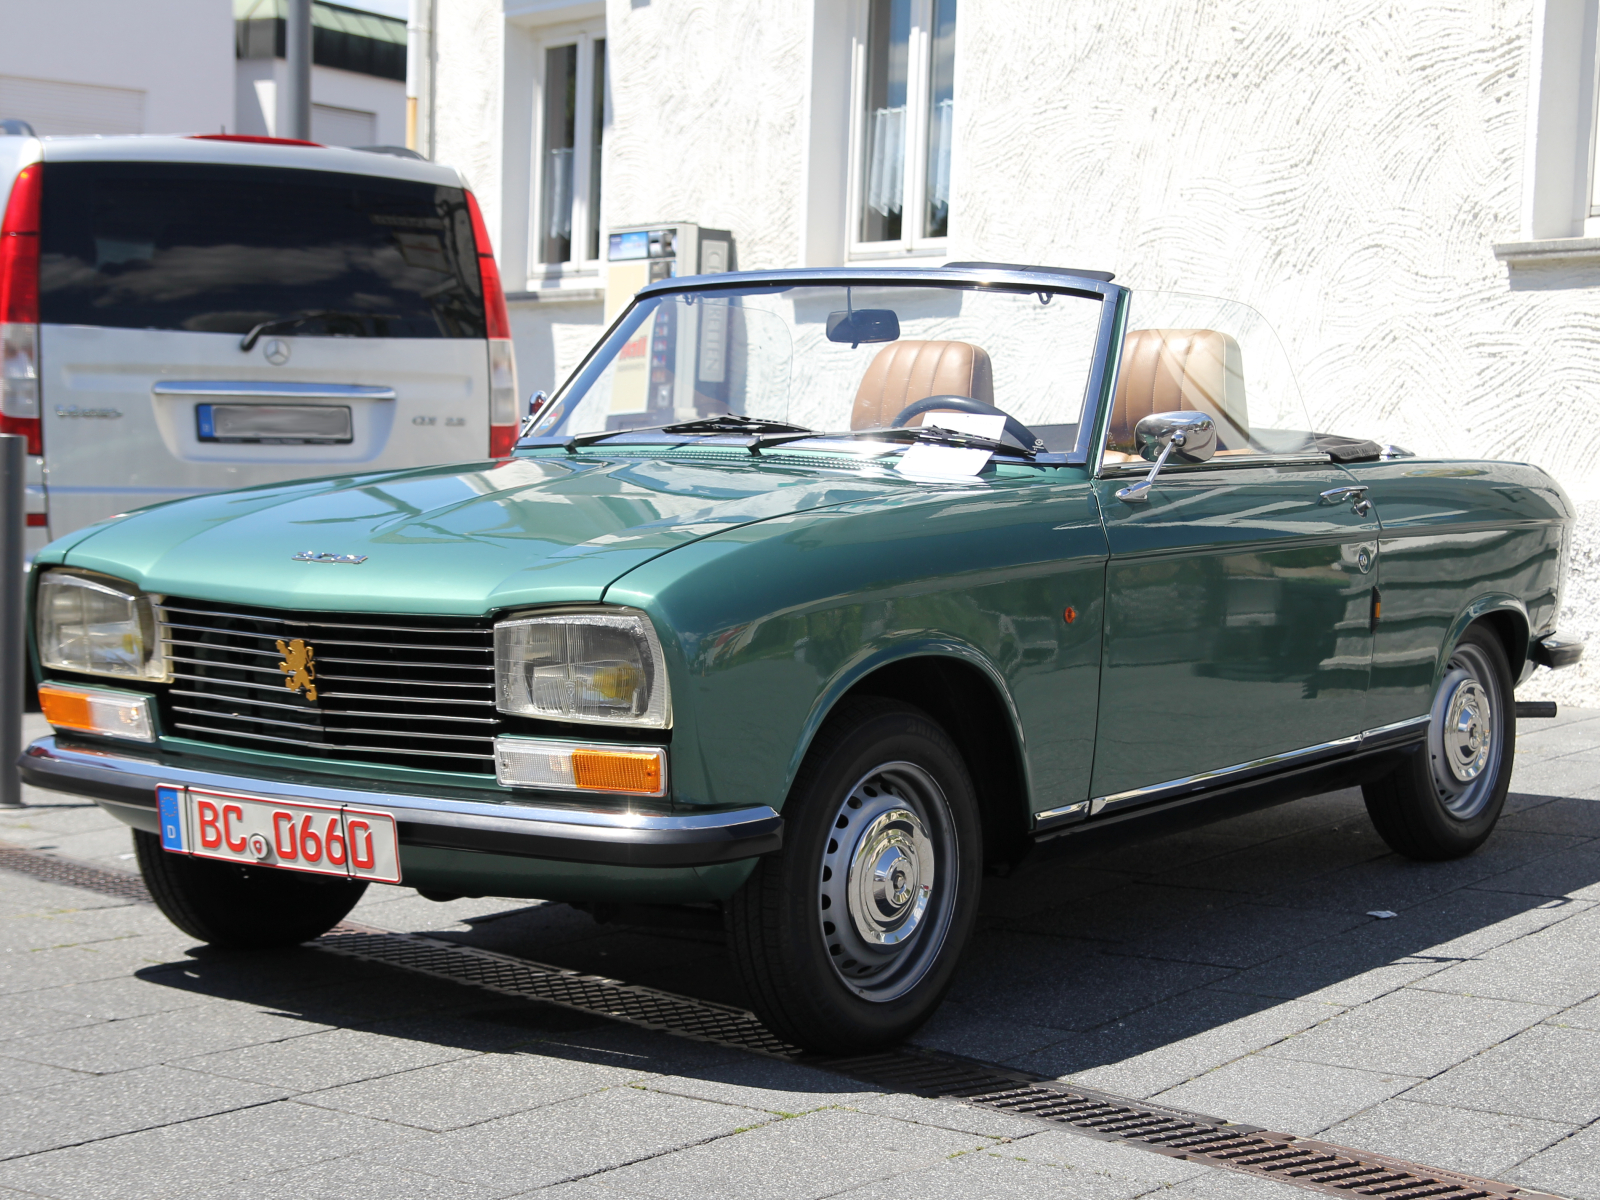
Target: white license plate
{"points": [[274, 424], [296, 835]]}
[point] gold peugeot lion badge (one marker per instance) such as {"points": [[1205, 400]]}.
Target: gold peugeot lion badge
{"points": [[298, 669]]}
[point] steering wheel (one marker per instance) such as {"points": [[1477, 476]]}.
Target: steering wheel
{"points": [[1024, 436]]}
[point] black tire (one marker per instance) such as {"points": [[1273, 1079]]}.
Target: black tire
{"points": [[244, 908], [1443, 801], [884, 785]]}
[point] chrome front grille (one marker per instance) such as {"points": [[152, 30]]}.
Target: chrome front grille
{"points": [[409, 691]]}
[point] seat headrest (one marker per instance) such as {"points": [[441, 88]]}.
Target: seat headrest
{"points": [[907, 371], [1180, 370]]}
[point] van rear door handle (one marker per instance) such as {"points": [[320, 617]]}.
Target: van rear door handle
{"points": [[259, 390]]}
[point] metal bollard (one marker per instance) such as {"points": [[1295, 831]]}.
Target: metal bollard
{"points": [[13, 651]]}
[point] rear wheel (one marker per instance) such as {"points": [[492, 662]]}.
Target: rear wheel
{"points": [[1444, 800], [241, 906], [848, 939]]}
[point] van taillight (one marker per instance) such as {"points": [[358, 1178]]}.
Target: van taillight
{"points": [[502, 358], [19, 310]]}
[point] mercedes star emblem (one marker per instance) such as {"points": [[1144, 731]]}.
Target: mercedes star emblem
{"points": [[276, 351]]}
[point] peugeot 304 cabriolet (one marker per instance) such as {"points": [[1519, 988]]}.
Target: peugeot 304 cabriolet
{"points": [[812, 595]]}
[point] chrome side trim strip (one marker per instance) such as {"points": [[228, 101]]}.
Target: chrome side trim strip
{"points": [[255, 390], [1052, 817], [1399, 731], [1201, 781], [1395, 734]]}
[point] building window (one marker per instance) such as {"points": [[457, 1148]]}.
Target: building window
{"points": [[905, 81], [573, 122]]}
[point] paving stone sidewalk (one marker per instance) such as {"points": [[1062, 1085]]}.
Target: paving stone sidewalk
{"points": [[1234, 970]]}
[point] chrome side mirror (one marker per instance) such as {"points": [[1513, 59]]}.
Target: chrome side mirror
{"points": [[1191, 436]]}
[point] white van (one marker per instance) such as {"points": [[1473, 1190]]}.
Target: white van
{"points": [[185, 314]]}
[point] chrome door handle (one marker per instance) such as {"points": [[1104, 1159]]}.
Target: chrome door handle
{"points": [[1356, 494]]}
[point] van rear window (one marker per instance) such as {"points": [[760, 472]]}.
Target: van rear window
{"points": [[215, 248]]}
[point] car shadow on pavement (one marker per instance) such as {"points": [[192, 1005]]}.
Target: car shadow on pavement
{"points": [[1253, 928]]}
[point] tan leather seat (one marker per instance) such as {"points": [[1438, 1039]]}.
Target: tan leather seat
{"points": [[1180, 370], [907, 371]]}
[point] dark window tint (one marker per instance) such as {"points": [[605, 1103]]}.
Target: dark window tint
{"points": [[222, 249]]}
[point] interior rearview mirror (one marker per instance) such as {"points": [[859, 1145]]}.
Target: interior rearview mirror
{"points": [[863, 325]]}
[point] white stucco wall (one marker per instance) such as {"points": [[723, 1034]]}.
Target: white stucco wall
{"points": [[708, 119], [1346, 167]]}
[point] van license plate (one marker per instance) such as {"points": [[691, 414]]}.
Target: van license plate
{"points": [[274, 424], [296, 835]]}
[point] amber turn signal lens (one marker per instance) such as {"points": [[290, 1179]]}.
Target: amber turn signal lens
{"points": [[1070, 615], [617, 771], [65, 710], [97, 710]]}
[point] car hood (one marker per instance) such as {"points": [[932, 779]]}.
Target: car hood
{"points": [[463, 540]]}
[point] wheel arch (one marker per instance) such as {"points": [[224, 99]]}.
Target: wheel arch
{"points": [[961, 690], [1500, 612]]}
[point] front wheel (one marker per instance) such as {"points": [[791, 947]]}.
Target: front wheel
{"points": [[848, 939], [1444, 800], [242, 907]]}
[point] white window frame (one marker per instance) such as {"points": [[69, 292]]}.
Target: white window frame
{"points": [[1588, 75], [919, 53], [583, 35]]}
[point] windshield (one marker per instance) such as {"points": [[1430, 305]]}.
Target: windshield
{"points": [[842, 359]]}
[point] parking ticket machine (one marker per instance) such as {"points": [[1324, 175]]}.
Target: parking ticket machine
{"points": [[674, 368], [641, 254]]}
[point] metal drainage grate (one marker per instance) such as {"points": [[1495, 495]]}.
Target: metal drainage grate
{"points": [[46, 867], [662, 1011], [1308, 1163], [1212, 1140], [1247, 1148]]}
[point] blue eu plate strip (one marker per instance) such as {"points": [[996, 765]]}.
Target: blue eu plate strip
{"points": [[171, 816], [202, 416]]}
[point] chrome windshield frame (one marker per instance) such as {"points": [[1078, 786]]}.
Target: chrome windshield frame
{"points": [[1102, 373]]}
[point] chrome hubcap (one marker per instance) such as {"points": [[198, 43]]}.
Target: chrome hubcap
{"points": [[1463, 739], [1467, 733], [887, 882], [891, 878]]}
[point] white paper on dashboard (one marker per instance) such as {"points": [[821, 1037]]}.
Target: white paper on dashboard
{"points": [[982, 425], [924, 460]]}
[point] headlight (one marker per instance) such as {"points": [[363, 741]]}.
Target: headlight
{"points": [[601, 665], [98, 626]]}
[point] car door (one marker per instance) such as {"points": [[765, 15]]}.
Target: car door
{"points": [[1238, 621], [1239, 594]]}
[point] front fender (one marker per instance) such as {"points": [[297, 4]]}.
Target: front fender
{"points": [[896, 649]]}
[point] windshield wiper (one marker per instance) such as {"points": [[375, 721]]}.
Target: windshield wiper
{"points": [[703, 427], [251, 338], [728, 423], [913, 433]]}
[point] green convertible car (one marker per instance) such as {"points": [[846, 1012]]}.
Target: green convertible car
{"points": [[812, 595]]}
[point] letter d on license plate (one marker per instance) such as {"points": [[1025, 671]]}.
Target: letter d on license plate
{"points": [[294, 835]]}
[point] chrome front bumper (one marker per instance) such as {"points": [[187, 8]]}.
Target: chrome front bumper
{"points": [[125, 786]]}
